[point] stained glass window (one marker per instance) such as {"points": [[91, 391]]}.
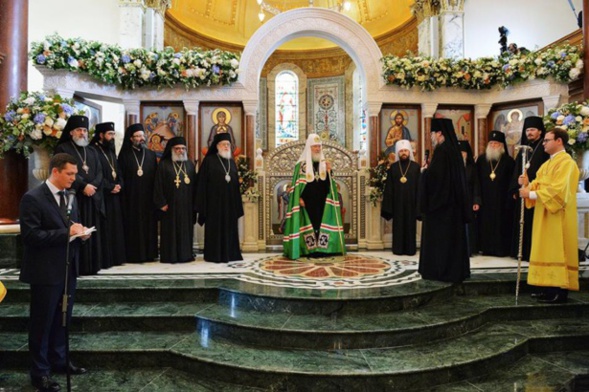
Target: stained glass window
{"points": [[287, 112]]}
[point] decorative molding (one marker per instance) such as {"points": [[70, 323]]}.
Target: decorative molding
{"points": [[451, 5], [131, 4], [552, 101], [423, 9]]}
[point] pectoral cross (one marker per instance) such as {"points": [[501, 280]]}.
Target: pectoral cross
{"points": [[177, 181]]}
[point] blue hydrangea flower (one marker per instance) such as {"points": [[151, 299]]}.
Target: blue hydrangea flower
{"points": [[177, 55], [505, 67], [554, 115], [67, 109], [216, 69], [568, 119], [41, 59], [39, 118], [581, 137], [550, 64], [72, 61], [563, 54], [9, 116], [125, 58]]}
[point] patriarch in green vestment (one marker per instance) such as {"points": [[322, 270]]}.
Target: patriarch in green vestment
{"points": [[313, 226]]}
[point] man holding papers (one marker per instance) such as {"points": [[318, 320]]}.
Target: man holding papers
{"points": [[45, 233]]}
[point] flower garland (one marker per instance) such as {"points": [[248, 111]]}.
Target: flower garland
{"points": [[247, 178], [132, 68], [574, 118], [34, 119], [563, 63]]}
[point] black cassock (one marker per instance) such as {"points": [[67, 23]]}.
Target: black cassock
{"points": [[495, 217], [91, 209], [314, 195], [139, 212], [112, 231], [219, 207], [473, 196], [444, 249], [536, 158], [177, 223], [399, 203]]}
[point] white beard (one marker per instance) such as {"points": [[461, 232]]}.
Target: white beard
{"points": [[434, 140], [494, 154], [179, 157], [81, 142], [225, 154], [316, 157]]}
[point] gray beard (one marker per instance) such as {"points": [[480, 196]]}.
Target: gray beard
{"points": [[139, 145], [225, 154], [316, 157], [494, 154], [81, 142], [179, 158]]}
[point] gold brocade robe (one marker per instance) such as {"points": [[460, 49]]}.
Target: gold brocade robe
{"points": [[554, 259]]}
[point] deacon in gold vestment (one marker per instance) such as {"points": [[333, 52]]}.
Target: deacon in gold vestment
{"points": [[554, 263]]}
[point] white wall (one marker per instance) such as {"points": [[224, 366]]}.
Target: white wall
{"points": [[88, 19], [531, 23]]}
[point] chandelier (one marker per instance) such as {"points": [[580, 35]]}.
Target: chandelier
{"points": [[339, 6]]}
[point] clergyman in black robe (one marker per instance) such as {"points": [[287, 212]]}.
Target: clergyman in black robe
{"points": [[112, 231], [445, 211], [473, 195], [219, 204], [533, 136], [138, 166], [174, 194], [495, 168], [88, 187], [399, 201]]}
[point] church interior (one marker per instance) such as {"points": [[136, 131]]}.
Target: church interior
{"points": [[271, 72]]}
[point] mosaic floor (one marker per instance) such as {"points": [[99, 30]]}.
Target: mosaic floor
{"points": [[354, 270]]}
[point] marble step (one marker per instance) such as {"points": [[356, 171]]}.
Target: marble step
{"points": [[458, 315], [397, 368], [560, 371]]}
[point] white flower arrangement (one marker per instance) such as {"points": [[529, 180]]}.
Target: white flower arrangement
{"points": [[563, 63], [132, 68], [574, 118]]}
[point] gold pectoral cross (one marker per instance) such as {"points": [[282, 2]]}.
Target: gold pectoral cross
{"points": [[177, 181]]}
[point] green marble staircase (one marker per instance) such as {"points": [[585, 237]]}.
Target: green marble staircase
{"points": [[225, 335]]}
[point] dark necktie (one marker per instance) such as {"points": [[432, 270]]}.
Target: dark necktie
{"points": [[62, 203]]}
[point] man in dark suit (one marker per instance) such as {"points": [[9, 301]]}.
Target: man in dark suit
{"points": [[45, 234]]}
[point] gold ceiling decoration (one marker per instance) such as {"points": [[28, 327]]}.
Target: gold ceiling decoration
{"points": [[235, 21]]}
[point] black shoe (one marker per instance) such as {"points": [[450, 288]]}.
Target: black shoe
{"points": [[74, 370], [540, 295], [45, 384], [559, 298]]}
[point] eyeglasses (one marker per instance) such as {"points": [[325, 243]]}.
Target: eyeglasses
{"points": [[547, 140]]}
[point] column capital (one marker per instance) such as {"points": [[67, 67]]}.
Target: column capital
{"points": [[482, 110], [424, 9], [160, 6], [373, 108], [250, 107], [428, 109], [131, 3], [551, 102], [191, 106], [132, 106], [451, 5]]}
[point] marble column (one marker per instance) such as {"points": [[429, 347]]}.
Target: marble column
{"points": [[428, 37], [451, 34], [191, 107], [131, 16], [250, 108], [451, 28], [155, 15], [480, 143], [428, 110], [132, 111], [14, 19]]}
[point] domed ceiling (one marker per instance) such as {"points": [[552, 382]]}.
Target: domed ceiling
{"points": [[234, 21]]}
